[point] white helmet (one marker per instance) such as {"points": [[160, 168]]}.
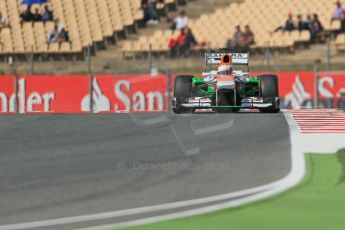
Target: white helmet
{"points": [[225, 70]]}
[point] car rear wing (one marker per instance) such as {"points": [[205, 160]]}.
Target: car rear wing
{"points": [[237, 58]]}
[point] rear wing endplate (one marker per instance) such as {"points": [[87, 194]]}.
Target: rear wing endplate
{"points": [[237, 58]]}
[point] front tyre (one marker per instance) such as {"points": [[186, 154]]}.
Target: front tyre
{"points": [[269, 91], [182, 93]]}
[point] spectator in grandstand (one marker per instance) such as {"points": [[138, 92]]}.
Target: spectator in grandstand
{"points": [[309, 20], [53, 35], [338, 12], [236, 40], [316, 28], [248, 37], [181, 21], [37, 17], [289, 25], [150, 12], [4, 23], [188, 43], [59, 25], [303, 24], [63, 35], [316, 25], [47, 15], [175, 44], [26, 15]]}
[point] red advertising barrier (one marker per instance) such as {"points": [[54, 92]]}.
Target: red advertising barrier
{"points": [[143, 93], [7, 98], [129, 93], [52, 94], [70, 94], [296, 90]]}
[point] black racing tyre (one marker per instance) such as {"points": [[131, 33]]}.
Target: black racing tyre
{"points": [[270, 110], [182, 92], [183, 86], [269, 91], [227, 98], [269, 86]]}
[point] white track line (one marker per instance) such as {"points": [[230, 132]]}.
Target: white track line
{"points": [[262, 192], [135, 211]]}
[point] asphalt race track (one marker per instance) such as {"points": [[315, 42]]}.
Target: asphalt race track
{"points": [[55, 166]]}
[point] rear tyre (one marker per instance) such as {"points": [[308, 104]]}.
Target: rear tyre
{"points": [[269, 91], [182, 93]]}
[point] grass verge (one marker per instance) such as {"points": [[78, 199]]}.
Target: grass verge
{"points": [[318, 203]]}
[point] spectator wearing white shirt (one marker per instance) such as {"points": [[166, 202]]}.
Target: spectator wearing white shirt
{"points": [[4, 23], [181, 21], [338, 12], [53, 35]]}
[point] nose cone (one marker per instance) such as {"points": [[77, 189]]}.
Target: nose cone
{"points": [[226, 82]]}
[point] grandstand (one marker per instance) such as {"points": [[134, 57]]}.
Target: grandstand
{"points": [[89, 23], [263, 16], [101, 23]]}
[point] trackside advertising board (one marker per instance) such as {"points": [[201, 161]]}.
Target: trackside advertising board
{"points": [[71, 94], [7, 97], [128, 93], [142, 93], [296, 90]]}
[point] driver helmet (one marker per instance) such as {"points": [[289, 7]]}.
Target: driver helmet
{"points": [[225, 69]]}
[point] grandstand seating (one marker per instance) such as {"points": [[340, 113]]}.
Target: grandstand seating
{"points": [[92, 22], [263, 16], [87, 21], [340, 42]]}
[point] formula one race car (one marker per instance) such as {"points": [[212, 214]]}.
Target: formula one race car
{"points": [[226, 90]]}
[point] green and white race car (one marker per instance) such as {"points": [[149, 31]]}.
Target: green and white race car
{"points": [[226, 90]]}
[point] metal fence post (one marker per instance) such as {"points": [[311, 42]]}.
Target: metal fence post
{"points": [[90, 77], [14, 72], [32, 61], [328, 54], [150, 57], [316, 86], [268, 55], [91, 93], [16, 94], [89, 59], [169, 90]]}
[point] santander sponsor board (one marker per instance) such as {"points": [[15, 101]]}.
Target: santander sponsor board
{"points": [[51, 94], [43, 94], [70, 94], [127, 93], [7, 98], [296, 90]]}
